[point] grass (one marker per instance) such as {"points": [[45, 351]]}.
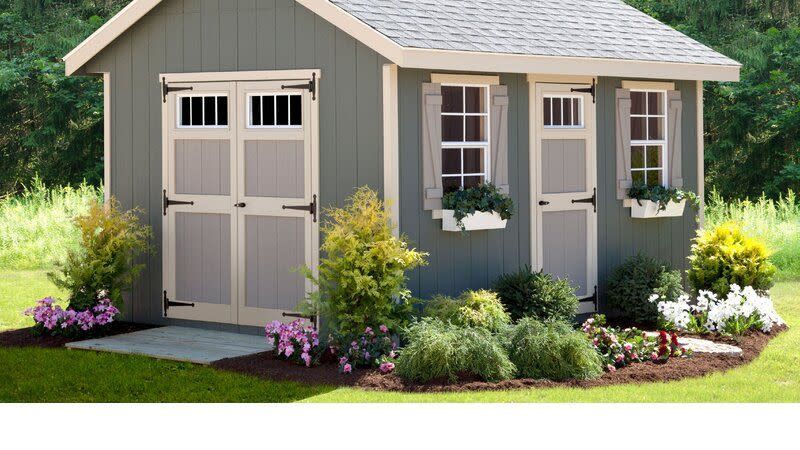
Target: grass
{"points": [[36, 228], [77, 376], [19, 290], [777, 222]]}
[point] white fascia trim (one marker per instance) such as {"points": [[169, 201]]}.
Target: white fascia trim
{"points": [[106, 34], [418, 58]]}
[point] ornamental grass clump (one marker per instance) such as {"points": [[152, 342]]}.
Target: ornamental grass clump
{"points": [[477, 309], [551, 351], [362, 275], [439, 350], [740, 311], [725, 256], [295, 342]]}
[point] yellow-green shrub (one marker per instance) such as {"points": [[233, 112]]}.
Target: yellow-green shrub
{"points": [[362, 279], [475, 309], [725, 255], [111, 240]]}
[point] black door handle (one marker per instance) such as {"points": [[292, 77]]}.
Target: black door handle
{"points": [[543, 203], [240, 205]]}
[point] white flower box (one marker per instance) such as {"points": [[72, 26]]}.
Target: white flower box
{"points": [[646, 209], [473, 222]]}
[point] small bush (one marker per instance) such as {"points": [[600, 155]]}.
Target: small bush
{"points": [[440, 350], [552, 351], [632, 284], [477, 309], [536, 294], [726, 256], [362, 281], [104, 266]]}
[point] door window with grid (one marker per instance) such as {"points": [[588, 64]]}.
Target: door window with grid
{"points": [[648, 137], [465, 136]]}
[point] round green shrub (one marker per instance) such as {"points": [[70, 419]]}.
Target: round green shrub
{"points": [[536, 294], [725, 256], [552, 351], [441, 350], [632, 284], [476, 309]]}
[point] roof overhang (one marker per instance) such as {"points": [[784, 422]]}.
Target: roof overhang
{"points": [[417, 58]]}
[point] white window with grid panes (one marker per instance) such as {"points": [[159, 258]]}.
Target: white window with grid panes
{"points": [[649, 137], [465, 136]]}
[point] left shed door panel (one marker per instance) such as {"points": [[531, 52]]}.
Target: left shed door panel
{"points": [[199, 172]]}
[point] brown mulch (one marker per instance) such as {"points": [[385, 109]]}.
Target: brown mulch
{"points": [[26, 337], [264, 365]]}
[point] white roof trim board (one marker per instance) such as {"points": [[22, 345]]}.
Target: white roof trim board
{"points": [[563, 37]]}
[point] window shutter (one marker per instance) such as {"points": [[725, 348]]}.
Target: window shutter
{"points": [[674, 163], [499, 137], [624, 181], [432, 190]]}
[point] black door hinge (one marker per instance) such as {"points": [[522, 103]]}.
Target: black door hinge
{"points": [[311, 208], [594, 299], [311, 86], [166, 202], [169, 303], [166, 89], [590, 90], [313, 319], [592, 200]]}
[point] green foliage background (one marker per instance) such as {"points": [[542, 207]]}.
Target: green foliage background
{"points": [[52, 125]]}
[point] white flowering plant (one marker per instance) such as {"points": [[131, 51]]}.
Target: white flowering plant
{"points": [[742, 310]]}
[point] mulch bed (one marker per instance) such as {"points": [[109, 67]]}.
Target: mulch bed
{"points": [[264, 365], [26, 337]]}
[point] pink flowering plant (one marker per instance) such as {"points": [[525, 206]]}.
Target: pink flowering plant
{"points": [[370, 349], [296, 342], [53, 320], [621, 348]]}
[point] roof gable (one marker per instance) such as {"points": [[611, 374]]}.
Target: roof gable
{"points": [[569, 37]]}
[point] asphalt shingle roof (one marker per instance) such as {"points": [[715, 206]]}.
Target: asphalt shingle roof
{"points": [[577, 28]]}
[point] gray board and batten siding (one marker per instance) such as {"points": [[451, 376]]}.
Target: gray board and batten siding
{"points": [[217, 36], [459, 262], [180, 36]]}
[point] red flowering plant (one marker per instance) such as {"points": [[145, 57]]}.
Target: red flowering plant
{"points": [[366, 350], [295, 342], [621, 348]]}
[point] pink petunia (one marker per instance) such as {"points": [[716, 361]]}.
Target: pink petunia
{"points": [[347, 368], [387, 367], [384, 329]]}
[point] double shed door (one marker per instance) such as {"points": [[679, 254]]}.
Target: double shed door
{"points": [[239, 184], [566, 195]]}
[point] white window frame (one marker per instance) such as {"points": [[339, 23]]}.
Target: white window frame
{"points": [[275, 94], [663, 143], [216, 95], [485, 145], [565, 127]]}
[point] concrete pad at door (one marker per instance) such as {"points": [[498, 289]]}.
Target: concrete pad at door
{"points": [[179, 344]]}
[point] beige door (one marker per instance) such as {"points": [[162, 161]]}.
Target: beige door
{"points": [[275, 181], [565, 186], [241, 194], [199, 194]]}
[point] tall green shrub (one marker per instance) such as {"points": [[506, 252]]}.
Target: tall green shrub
{"points": [[111, 240], [725, 255], [477, 309], [632, 284], [536, 294], [552, 351], [440, 350], [362, 275]]}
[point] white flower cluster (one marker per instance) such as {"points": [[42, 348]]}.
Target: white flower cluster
{"points": [[712, 314]]}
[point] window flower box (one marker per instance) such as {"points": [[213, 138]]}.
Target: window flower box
{"points": [[473, 222], [647, 209]]}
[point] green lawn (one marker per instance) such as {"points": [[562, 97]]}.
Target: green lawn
{"points": [[35, 375]]}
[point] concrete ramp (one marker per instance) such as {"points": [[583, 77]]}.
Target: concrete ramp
{"points": [[179, 344]]}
